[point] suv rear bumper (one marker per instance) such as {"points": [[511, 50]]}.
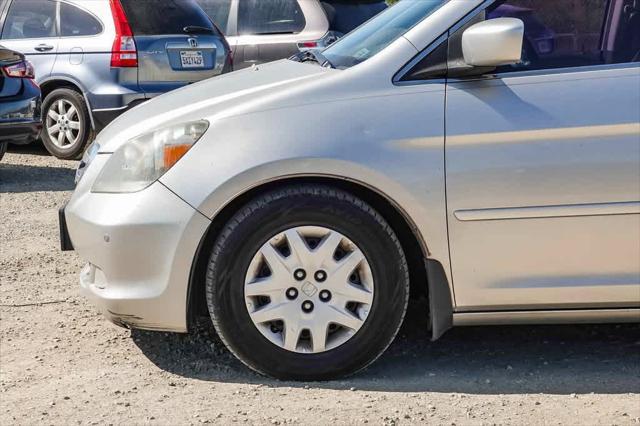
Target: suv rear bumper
{"points": [[106, 108], [102, 117], [121, 98]]}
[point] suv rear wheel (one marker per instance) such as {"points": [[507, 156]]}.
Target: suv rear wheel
{"points": [[67, 125], [307, 283]]}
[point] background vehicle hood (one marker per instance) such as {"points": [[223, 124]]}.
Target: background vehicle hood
{"points": [[9, 57], [249, 90]]}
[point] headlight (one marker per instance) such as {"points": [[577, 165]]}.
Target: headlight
{"points": [[142, 160]]}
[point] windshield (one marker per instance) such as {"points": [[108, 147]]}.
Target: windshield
{"points": [[379, 32]]}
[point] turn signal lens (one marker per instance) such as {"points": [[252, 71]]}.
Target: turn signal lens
{"points": [[172, 153]]}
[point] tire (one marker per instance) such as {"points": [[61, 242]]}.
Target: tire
{"points": [[3, 149], [302, 208], [76, 121]]}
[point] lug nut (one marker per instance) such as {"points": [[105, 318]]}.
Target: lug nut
{"points": [[292, 293], [325, 295], [307, 306], [300, 274], [320, 276]]}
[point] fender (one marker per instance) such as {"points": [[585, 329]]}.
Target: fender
{"points": [[439, 288]]}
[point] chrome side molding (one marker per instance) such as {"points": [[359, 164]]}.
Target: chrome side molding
{"points": [[567, 316]]}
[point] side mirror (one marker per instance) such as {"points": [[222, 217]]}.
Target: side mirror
{"points": [[493, 43]]}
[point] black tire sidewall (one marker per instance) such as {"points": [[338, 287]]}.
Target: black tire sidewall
{"points": [[3, 149], [77, 100], [226, 297]]}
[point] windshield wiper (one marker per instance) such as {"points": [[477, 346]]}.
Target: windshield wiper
{"points": [[196, 29], [312, 56], [321, 59]]}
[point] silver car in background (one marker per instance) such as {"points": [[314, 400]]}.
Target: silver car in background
{"points": [[299, 204], [95, 59], [262, 31]]}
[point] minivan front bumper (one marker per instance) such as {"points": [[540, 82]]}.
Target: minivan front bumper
{"points": [[140, 248]]}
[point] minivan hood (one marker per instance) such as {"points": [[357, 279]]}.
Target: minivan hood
{"points": [[249, 90]]}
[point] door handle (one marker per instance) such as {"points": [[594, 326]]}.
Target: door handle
{"points": [[43, 48]]}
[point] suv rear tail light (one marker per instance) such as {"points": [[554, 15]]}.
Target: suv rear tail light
{"points": [[123, 53], [328, 39], [22, 69]]}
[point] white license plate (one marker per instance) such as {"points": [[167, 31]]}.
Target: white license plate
{"points": [[191, 59]]}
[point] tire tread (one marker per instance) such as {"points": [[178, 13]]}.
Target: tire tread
{"points": [[289, 192]]}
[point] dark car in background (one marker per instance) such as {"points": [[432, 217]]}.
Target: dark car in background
{"points": [[95, 59], [20, 120], [262, 31], [540, 40]]}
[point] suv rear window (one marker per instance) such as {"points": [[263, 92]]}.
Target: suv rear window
{"points": [[218, 11], [153, 17], [345, 15], [270, 17]]}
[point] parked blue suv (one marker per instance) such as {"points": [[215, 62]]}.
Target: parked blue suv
{"points": [[94, 59]]}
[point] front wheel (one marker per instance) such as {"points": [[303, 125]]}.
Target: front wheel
{"points": [[307, 283], [67, 124]]}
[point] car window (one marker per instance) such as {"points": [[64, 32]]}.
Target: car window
{"points": [[30, 19], [270, 17], [77, 22], [153, 17], [345, 15], [218, 11], [566, 33], [378, 33]]}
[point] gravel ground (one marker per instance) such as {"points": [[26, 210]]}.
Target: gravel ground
{"points": [[62, 363]]}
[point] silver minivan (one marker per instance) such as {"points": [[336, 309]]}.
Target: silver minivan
{"points": [[445, 150], [94, 59]]}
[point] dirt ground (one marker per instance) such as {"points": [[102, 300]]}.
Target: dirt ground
{"points": [[62, 363]]}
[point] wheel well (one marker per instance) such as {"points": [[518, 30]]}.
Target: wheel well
{"points": [[51, 85], [411, 244]]}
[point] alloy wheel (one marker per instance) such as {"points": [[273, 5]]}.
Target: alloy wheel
{"points": [[63, 124]]}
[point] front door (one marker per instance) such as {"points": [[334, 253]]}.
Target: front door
{"points": [[543, 165]]}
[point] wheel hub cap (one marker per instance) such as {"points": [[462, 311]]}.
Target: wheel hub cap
{"points": [[320, 312]]}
